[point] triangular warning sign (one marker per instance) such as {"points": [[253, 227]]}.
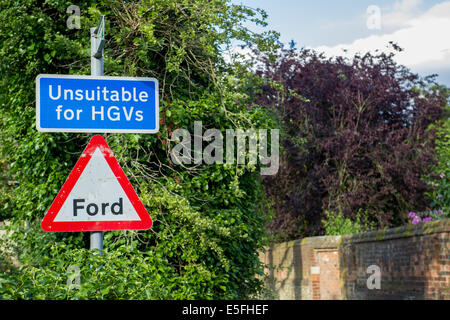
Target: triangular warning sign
{"points": [[97, 196]]}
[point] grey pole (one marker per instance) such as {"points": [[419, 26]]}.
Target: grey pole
{"points": [[96, 59], [96, 237]]}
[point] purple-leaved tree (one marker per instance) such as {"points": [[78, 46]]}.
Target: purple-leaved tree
{"points": [[354, 134]]}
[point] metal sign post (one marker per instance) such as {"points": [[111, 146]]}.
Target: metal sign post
{"points": [[97, 44], [97, 196], [95, 103]]}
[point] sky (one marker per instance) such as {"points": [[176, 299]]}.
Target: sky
{"points": [[420, 27]]}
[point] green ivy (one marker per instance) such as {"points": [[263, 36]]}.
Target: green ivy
{"points": [[208, 219], [336, 224], [440, 180]]}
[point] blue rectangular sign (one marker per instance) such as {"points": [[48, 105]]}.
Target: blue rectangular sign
{"points": [[68, 103]]}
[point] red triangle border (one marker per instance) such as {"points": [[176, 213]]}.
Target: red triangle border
{"points": [[49, 225]]}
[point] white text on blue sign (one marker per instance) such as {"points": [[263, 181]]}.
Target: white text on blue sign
{"points": [[97, 104]]}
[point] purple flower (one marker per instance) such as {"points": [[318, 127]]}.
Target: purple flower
{"points": [[416, 220], [412, 214], [438, 196], [442, 175], [441, 212], [426, 219]]}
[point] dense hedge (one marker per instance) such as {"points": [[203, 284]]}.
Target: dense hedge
{"points": [[208, 219]]}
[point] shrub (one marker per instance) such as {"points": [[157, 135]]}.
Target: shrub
{"points": [[336, 224], [439, 180], [355, 137]]}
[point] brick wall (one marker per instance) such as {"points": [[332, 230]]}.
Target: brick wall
{"points": [[295, 270], [414, 263]]}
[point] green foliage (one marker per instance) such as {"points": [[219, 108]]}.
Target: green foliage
{"points": [[443, 144], [208, 219], [120, 272], [441, 195], [5, 190], [336, 224], [440, 180]]}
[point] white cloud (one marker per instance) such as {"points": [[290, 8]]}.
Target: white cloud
{"points": [[424, 38], [238, 54], [400, 13], [407, 5]]}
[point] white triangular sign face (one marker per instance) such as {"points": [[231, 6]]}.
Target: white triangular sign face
{"points": [[96, 196]]}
